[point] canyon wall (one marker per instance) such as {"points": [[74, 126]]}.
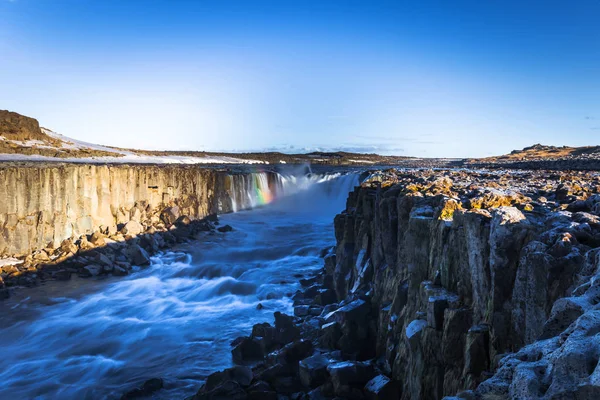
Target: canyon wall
{"points": [[461, 269], [47, 203]]}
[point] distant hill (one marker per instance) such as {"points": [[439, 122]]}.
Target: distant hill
{"points": [[543, 152], [541, 156], [22, 139]]}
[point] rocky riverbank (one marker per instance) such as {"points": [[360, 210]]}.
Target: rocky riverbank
{"points": [[106, 251], [59, 219], [446, 283]]}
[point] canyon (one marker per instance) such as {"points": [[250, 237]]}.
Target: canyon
{"points": [[426, 279], [446, 284]]}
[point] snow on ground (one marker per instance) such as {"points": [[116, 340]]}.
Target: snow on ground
{"points": [[121, 156], [362, 161], [134, 159]]}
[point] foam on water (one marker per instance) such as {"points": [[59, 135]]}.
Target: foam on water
{"points": [[89, 339]]}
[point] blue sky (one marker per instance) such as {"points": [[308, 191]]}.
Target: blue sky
{"points": [[421, 78]]}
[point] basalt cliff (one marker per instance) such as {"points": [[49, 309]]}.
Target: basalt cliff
{"points": [[450, 284]]}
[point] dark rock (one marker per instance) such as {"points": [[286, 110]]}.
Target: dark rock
{"points": [[293, 352], [286, 330], [62, 275], [476, 350], [225, 228], [382, 388], [169, 215], [325, 297], [229, 390], [148, 388], [313, 371], [119, 271], [347, 375], [356, 311], [249, 349], [137, 255], [90, 270], [301, 311], [183, 220], [240, 374], [330, 335]]}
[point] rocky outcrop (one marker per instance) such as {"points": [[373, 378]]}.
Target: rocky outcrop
{"points": [[449, 283], [44, 204], [18, 127], [463, 268]]}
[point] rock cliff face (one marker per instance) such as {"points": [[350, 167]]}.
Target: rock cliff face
{"points": [[45, 204], [462, 268]]}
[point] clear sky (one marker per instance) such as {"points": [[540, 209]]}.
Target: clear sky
{"points": [[423, 78]]}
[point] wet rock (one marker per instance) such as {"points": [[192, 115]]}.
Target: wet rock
{"points": [[293, 352], [225, 228], [301, 311], [119, 271], [229, 390], [313, 370], [91, 270], [330, 335], [348, 375], [261, 390], [356, 311], [382, 388], [137, 255], [240, 374], [149, 387], [248, 349], [62, 275], [286, 330], [325, 297]]}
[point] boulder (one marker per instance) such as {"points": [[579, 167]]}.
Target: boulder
{"points": [[132, 228], [330, 335], [313, 371], [137, 255], [293, 352], [98, 239], [225, 228], [382, 388], [240, 374], [248, 349], [169, 215], [149, 387], [347, 375], [285, 329], [229, 390], [91, 270]]}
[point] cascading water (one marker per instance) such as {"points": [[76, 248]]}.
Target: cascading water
{"points": [[248, 191], [90, 339]]}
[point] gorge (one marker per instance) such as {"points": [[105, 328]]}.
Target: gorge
{"points": [[476, 284]]}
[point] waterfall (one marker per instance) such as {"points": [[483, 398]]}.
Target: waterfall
{"points": [[252, 190]]}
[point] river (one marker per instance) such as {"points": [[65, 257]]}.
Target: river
{"points": [[96, 339]]}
